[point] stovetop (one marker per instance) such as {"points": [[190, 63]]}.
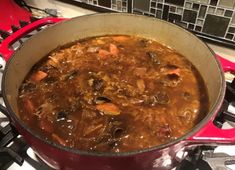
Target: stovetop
{"points": [[16, 154]]}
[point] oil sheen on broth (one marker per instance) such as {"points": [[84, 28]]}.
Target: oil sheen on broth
{"points": [[113, 94]]}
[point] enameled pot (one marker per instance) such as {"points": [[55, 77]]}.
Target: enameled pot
{"points": [[160, 157]]}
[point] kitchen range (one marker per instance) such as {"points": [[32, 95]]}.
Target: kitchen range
{"points": [[22, 19]]}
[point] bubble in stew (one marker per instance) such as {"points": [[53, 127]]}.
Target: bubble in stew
{"points": [[113, 94]]}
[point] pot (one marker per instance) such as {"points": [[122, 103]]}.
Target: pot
{"points": [[165, 156]]}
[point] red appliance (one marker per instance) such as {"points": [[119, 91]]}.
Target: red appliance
{"points": [[11, 14]]}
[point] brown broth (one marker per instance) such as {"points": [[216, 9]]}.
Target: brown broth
{"points": [[113, 94]]}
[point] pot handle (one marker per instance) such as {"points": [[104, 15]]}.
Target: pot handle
{"points": [[5, 50], [226, 64], [211, 133]]}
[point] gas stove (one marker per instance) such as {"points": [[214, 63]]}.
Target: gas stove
{"points": [[16, 154]]}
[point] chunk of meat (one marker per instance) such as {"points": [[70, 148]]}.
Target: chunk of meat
{"points": [[97, 85], [113, 49], [108, 109], [170, 69], [29, 106], [38, 76], [103, 54], [171, 80], [153, 57], [141, 85]]}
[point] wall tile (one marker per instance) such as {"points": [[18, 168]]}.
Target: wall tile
{"points": [[231, 29], [189, 16], [199, 22], [202, 11], [114, 7], [137, 12], [233, 19], [215, 25], [159, 14], [211, 10], [214, 2], [196, 6], [200, 1], [159, 6], [227, 3], [142, 5], [220, 11], [105, 3], [182, 24], [191, 26], [229, 36], [153, 4], [179, 10], [124, 4], [198, 28], [119, 5], [152, 10], [228, 13], [174, 17], [172, 8], [175, 2], [188, 5], [165, 12]]}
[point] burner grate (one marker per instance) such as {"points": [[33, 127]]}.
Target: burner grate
{"points": [[9, 151]]}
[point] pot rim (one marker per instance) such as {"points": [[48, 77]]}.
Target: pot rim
{"points": [[213, 111]]}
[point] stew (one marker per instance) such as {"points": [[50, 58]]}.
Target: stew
{"points": [[113, 94]]}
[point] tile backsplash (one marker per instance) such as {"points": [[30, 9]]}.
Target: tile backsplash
{"points": [[214, 19]]}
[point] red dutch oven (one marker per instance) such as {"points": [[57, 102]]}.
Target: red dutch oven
{"points": [[165, 156]]}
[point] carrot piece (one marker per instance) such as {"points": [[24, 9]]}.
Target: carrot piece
{"points": [[58, 139], [113, 49], [46, 125], [175, 71], [120, 38], [108, 109], [38, 76], [140, 71], [141, 85], [103, 54], [100, 42], [29, 106]]}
